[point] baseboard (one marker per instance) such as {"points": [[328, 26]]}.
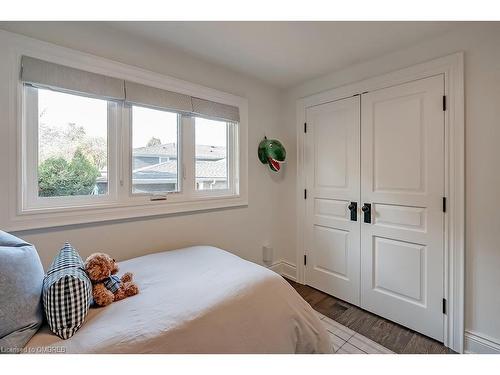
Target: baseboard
{"points": [[276, 267], [285, 269], [476, 343]]}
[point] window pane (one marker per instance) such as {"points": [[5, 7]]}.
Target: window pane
{"points": [[72, 145], [154, 154], [211, 154]]}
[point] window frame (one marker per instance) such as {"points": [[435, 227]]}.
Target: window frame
{"points": [[15, 215], [231, 156], [128, 124], [120, 161], [186, 161], [31, 201]]}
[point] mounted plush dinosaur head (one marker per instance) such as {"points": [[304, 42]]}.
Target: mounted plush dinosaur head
{"points": [[272, 152]]}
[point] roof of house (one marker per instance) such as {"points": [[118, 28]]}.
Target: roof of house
{"points": [[168, 170], [167, 149], [165, 170], [206, 152], [211, 169]]}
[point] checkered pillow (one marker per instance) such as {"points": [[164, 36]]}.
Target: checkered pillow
{"points": [[67, 293]]}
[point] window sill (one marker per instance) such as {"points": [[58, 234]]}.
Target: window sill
{"points": [[46, 218]]}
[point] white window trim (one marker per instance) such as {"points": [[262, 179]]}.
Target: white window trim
{"points": [[30, 201], [113, 208], [232, 172], [186, 163], [127, 170]]}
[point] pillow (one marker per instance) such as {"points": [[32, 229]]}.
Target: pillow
{"points": [[67, 293], [21, 276]]}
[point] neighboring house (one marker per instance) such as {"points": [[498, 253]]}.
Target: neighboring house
{"points": [[154, 168]]}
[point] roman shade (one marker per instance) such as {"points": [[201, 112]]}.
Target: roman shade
{"points": [[152, 96], [135, 93], [211, 109], [40, 73], [47, 74]]}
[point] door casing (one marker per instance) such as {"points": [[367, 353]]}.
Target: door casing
{"points": [[452, 67]]}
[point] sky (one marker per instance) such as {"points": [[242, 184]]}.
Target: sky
{"points": [[59, 109], [163, 125]]}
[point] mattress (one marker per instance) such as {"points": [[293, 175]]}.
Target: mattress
{"points": [[197, 300]]}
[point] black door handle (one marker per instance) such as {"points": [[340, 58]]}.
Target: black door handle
{"points": [[353, 207], [367, 210]]}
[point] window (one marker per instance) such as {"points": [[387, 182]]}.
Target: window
{"points": [[211, 156], [67, 156], [72, 144], [155, 158], [95, 146]]}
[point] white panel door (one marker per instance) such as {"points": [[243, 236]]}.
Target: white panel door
{"points": [[332, 180], [402, 178]]}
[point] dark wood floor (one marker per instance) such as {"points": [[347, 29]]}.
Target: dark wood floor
{"points": [[391, 335]]}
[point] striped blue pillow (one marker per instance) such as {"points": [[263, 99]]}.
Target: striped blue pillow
{"points": [[67, 293]]}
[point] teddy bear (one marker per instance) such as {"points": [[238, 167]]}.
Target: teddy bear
{"points": [[106, 286]]}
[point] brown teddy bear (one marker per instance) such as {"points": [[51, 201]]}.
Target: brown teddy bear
{"points": [[107, 287]]}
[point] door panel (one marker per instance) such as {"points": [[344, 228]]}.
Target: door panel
{"points": [[401, 217], [332, 165], [397, 144], [402, 176], [399, 268], [331, 250]]}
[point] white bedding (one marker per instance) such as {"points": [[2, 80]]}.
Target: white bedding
{"points": [[197, 300]]}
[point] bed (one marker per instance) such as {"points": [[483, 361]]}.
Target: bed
{"points": [[197, 300]]}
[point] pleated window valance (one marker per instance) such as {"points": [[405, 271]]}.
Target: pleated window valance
{"points": [[208, 108], [47, 74], [152, 96]]}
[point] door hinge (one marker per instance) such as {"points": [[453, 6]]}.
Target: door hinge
{"points": [[444, 102], [305, 127], [444, 204], [444, 305], [305, 260], [305, 193]]}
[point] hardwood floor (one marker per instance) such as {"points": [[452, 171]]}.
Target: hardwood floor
{"points": [[384, 332]]}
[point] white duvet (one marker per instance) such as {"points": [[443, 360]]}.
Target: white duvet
{"points": [[197, 300]]}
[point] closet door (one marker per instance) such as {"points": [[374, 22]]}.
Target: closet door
{"points": [[402, 185], [332, 181]]}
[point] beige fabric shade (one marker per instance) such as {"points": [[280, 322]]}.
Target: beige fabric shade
{"points": [[152, 96], [47, 74], [211, 109], [42, 73]]}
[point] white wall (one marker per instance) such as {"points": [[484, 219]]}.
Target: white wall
{"points": [[271, 214], [242, 230], [481, 43]]}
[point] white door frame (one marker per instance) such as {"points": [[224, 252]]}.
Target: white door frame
{"points": [[452, 66]]}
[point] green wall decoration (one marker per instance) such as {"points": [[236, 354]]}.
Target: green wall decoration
{"points": [[272, 152]]}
